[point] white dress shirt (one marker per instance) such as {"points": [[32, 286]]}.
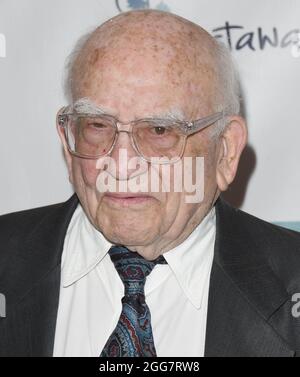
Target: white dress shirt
{"points": [[91, 292]]}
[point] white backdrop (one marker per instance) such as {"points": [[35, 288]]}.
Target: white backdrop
{"points": [[36, 36]]}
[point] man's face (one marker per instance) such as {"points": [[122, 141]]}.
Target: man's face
{"points": [[140, 80]]}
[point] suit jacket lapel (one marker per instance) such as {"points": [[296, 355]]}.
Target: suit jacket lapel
{"points": [[32, 301], [244, 293]]}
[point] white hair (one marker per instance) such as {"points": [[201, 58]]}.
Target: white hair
{"points": [[68, 77], [227, 90]]}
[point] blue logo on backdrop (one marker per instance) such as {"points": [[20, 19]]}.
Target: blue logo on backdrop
{"points": [[126, 5]]}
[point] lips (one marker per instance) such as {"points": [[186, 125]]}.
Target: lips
{"points": [[127, 199], [128, 195]]}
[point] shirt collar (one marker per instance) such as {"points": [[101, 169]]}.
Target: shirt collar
{"points": [[81, 236], [190, 261]]}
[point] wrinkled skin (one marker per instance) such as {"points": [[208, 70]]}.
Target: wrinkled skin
{"points": [[141, 64]]}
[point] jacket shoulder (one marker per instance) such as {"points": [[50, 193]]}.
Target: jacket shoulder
{"points": [[17, 228], [278, 246], [21, 222], [267, 228]]}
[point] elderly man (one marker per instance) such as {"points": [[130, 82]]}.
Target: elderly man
{"points": [[120, 271]]}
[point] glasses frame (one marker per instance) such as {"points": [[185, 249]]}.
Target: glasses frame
{"points": [[186, 129]]}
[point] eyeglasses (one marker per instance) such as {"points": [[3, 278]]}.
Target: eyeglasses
{"points": [[93, 136]]}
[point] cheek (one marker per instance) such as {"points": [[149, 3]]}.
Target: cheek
{"points": [[86, 171], [201, 145]]}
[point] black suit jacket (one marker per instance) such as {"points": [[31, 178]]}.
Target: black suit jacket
{"points": [[256, 271]]}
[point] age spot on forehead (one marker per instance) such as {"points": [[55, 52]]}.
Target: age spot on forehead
{"points": [[96, 55]]}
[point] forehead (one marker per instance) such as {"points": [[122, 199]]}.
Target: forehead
{"points": [[147, 66]]}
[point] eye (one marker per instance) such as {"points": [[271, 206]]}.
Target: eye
{"points": [[159, 130], [97, 125]]}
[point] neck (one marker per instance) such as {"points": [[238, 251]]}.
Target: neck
{"points": [[164, 244]]}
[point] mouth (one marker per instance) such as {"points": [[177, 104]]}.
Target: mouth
{"points": [[127, 199]]}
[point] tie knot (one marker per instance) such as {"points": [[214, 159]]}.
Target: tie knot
{"points": [[132, 268]]}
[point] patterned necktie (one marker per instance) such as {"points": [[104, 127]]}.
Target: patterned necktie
{"points": [[132, 336]]}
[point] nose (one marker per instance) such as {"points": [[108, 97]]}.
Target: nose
{"points": [[127, 161]]}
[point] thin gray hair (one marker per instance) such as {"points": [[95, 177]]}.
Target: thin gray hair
{"points": [[68, 75], [228, 90]]}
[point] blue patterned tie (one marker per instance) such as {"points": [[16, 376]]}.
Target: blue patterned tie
{"points": [[132, 336]]}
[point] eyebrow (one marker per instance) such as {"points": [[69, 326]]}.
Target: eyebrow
{"points": [[86, 106]]}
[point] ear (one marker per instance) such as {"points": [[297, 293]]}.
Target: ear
{"points": [[68, 156], [232, 142]]}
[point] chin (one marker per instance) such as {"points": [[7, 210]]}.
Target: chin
{"points": [[127, 237], [128, 241]]}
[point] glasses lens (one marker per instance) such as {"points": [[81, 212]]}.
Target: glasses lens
{"points": [[158, 140], [90, 136]]}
